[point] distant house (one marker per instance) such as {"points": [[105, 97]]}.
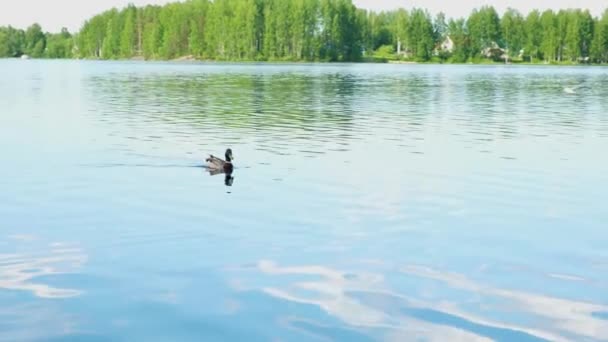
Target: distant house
{"points": [[447, 45], [494, 52], [583, 59]]}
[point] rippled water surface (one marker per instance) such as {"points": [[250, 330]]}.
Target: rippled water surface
{"points": [[369, 202]]}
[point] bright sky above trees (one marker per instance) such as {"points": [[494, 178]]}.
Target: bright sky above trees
{"points": [[52, 15]]}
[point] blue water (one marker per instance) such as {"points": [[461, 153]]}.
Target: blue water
{"points": [[369, 202]]}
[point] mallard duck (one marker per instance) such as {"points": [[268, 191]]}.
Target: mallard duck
{"points": [[215, 163]]}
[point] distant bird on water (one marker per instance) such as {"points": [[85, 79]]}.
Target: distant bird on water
{"points": [[572, 90]]}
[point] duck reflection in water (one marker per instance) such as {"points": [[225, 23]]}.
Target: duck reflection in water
{"points": [[228, 177]]}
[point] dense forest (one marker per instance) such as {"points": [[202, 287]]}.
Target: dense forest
{"points": [[35, 43], [318, 30]]}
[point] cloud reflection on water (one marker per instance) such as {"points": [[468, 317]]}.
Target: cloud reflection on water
{"points": [[558, 316], [22, 270], [365, 301]]}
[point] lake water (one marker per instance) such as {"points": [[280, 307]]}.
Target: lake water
{"points": [[369, 202]]}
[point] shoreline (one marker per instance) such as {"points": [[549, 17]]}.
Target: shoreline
{"points": [[193, 60]]}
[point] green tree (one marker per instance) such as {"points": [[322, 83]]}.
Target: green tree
{"points": [[327, 37], [196, 40], [562, 33], [350, 43], [512, 25], [309, 13], [421, 35], [380, 30], [15, 40], [108, 48], [35, 41], [460, 37], [152, 32], [246, 17], [599, 46], [550, 45], [127, 38], [400, 30], [175, 23], [572, 40], [91, 36], [218, 32], [533, 32], [328, 30], [586, 26], [440, 28], [484, 29], [59, 45], [4, 49]]}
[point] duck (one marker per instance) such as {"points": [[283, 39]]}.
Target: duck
{"points": [[216, 164]]}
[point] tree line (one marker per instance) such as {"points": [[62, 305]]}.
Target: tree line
{"points": [[35, 43], [318, 30]]}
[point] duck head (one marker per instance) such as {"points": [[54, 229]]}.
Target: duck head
{"points": [[228, 155]]}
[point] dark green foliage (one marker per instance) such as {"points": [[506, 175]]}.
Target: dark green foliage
{"points": [[533, 36], [4, 50], [585, 25], [12, 42], [229, 30], [599, 45], [484, 29], [385, 51], [59, 45], [440, 28], [420, 35], [317, 30], [128, 33], [513, 35], [461, 38], [550, 40], [35, 41]]}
